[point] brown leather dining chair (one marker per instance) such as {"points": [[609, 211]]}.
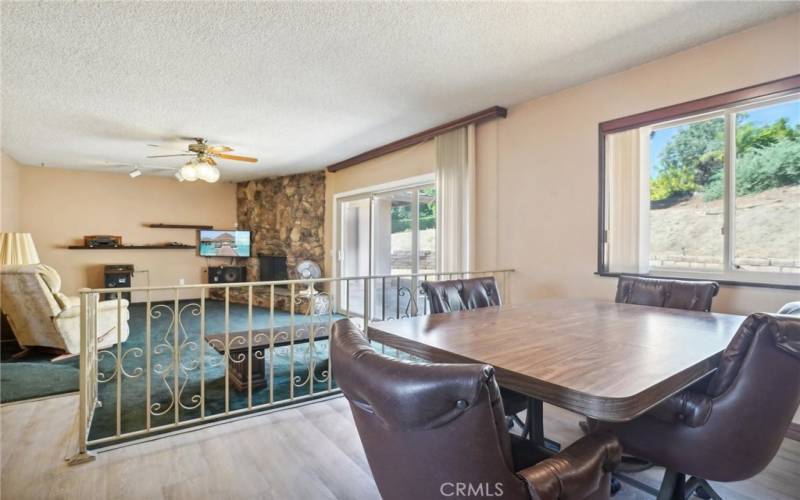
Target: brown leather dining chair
{"points": [[792, 308], [461, 295], [729, 426], [438, 431], [676, 294]]}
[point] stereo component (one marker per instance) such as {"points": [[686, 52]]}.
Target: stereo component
{"points": [[227, 274], [102, 241], [117, 276]]}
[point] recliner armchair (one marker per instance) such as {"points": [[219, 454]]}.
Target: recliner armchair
{"points": [[431, 430], [461, 295], [729, 426], [41, 316]]}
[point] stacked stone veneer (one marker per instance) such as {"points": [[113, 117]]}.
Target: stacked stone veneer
{"points": [[286, 216]]}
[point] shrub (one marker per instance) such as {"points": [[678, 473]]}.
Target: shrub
{"points": [[761, 169], [671, 182]]}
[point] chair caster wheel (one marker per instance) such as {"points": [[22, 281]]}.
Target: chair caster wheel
{"points": [[615, 486], [701, 493]]}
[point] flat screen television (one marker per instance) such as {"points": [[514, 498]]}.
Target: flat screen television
{"points": [[214, 243]]}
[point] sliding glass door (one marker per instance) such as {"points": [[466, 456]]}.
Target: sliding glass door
{"points": [[390, 234]]}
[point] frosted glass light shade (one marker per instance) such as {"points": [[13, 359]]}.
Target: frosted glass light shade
{"points": [[189, 172], [204, 171], [213, 176], [17, 249]]}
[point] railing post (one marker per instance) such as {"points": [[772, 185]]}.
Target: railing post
{"points": [[84, 455], [367, 305], [291, 340]]}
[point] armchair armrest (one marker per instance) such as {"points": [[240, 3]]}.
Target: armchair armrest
{"points": [[575, 472], [74, 310], [109, 305], [688, 407]]}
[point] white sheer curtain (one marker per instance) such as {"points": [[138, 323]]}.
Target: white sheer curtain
{"points": [[455, 199], [628, 201]]}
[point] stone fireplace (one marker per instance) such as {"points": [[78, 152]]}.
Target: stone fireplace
{"points": [[286, 216], [272, 268]]}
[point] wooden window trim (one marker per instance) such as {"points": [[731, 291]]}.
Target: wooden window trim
{"points": [[775, 88]]}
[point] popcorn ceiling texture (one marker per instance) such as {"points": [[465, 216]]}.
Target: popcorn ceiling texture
{"points": [[301, 85]]}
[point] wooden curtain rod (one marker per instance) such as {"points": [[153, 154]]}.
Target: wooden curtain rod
{"points": [[426, 135]]}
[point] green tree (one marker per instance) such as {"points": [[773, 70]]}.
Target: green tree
{"points": [[750, 136], [698, 147], [401, 213], [693, 159]]}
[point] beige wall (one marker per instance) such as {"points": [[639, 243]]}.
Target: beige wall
{"points": [[9, 193], [547, 157], [60, 206], [411, 162], [537, 169]]}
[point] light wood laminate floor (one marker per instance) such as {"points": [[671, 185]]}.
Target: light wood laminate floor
{"points": [[305, 452]]}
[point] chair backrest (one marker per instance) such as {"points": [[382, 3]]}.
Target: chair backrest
{"points": [[459, 295], [676, 294], [756, 392], [424, 426], [791, 308], [30, 304]]}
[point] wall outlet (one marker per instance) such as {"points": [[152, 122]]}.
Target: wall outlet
{"points": [[181, 281]]}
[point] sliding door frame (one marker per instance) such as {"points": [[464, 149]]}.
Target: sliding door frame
{"points": [[413, 184]]}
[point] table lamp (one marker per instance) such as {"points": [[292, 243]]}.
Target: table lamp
{"points": [[17, 249]]}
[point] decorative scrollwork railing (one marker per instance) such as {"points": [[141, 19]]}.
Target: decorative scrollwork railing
{"points": [[220, 350]]}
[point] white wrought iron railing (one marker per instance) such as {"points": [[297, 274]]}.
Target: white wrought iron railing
{"points": [[216, 351]]}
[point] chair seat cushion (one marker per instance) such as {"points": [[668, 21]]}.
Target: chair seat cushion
{"points": [[525, 453], [513, 402]]}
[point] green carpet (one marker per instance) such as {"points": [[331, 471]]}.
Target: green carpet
{"points": [[37, 376], [21, 380]]}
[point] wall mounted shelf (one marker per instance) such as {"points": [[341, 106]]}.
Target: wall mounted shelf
{"points": [[179, 226], [136, 247]]}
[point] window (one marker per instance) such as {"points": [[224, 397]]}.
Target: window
{"points": [[708, 194]]}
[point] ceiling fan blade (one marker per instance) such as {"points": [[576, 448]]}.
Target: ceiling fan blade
{"points": [[167, 148], [167, 156], [219, 149], [236, 157]]}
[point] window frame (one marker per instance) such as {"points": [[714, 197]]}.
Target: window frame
{"points": [[725, 105]]}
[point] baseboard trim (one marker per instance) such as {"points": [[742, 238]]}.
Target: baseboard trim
{"points": [[794, 431]]}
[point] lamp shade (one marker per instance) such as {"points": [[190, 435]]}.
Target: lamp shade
{"points": [[17, 249]]}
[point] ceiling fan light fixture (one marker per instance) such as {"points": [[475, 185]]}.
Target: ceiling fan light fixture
{"points": [[179, 176], [204, 170], [213, 176], [189, 171], [135, 173]]}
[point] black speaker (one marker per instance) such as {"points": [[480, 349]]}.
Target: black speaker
{"points": [[226, 274], [118, 276]]}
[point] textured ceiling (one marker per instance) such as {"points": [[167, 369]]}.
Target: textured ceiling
{"points": [[303, 85]]}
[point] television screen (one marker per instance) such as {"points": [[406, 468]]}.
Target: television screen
{"points": [[224, 243]]}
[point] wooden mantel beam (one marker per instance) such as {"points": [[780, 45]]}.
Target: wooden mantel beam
{"points": [[426, 135]]}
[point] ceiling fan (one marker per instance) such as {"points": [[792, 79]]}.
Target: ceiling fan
{"points": [[202, 166]]}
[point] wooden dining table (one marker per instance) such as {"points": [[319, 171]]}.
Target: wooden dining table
{"points": [[608, 361]]}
